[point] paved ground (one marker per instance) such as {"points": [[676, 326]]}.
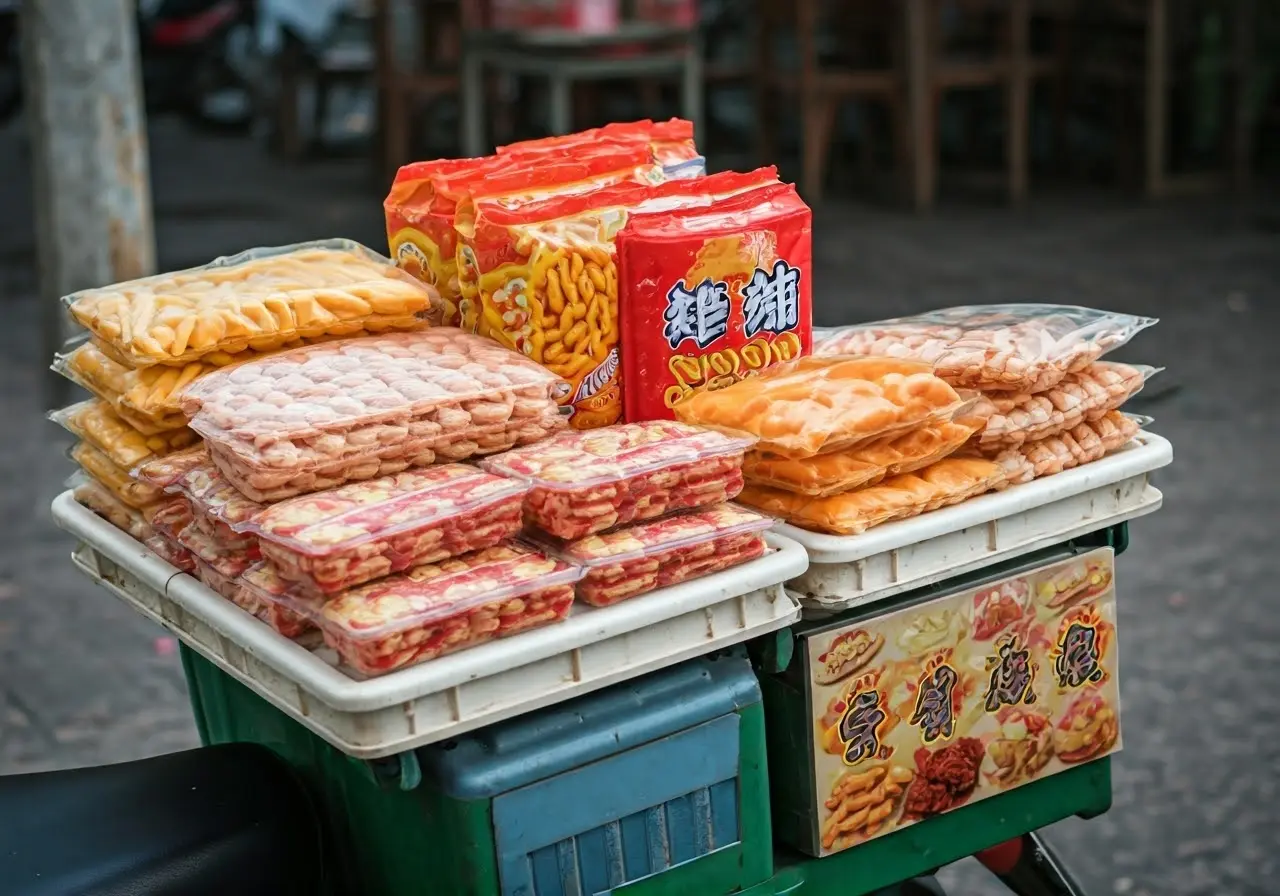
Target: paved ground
{"points": [[84, 681]]}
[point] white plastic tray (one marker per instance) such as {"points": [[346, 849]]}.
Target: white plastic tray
{"points": [[854, 570], [453, 694]]}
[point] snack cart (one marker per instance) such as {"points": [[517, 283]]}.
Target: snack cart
{"points": [[682, 741]]}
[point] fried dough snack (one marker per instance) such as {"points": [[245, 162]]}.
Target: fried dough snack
{"points": [[864, 465], [1016, 348], [819, 405], [96, 423], [128, 490], [946, 482], [862, 803], [259, 299], [1082, 444]]}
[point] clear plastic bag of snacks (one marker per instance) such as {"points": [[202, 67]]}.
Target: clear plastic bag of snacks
{"points": [[584, 482], [1015, 418], [634, 560], [96, 423], [230, 562], [249, 598], [89, 367], [315, 417], [1016, 348], [258, 299], [944, 483], [1082, 444], [332, 541], [434, 609], [98, 466], [818, 405], [829, 474], [98, 498], [224, 585], [172, 553], [171, 518]]}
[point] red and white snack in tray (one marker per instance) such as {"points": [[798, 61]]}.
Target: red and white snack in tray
{"points": [[636, 559], [321, 415], [171, 552], [219, 582], [585, 482], [433, 609], [248, 596], [228, 562], [331, 541]]}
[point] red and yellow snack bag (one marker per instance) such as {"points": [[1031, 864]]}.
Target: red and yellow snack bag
{"points": [[547, 279], [670, 142], [710, 296]]}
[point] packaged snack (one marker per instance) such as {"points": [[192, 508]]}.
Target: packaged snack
{"points": [[171, 518], [258, 299], [435, 609], [736, 288], [248, 597], [338, 539], [944, 483], [864, 465], [1015, 418], [1082, 444], [547, 278], [225, 560], [164, 472], [90, 367], [819, 405], [100, 467], [98, 498], [1015, 348], [671, 144], [319, 416], [172, 553], [224, 585], [219, 510], [591, 481], [637, 559], [96, 423]]}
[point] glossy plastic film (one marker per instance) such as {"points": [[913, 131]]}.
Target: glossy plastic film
{"points": [[121, 386], [96, 423], [98, 498], [1083, 443], [98, 466]]}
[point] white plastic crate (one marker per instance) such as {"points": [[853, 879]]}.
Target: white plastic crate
{"points": [[456, 693], [854, 570]]}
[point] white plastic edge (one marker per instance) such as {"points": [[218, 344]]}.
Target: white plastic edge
{"points": [[1146, 452]]}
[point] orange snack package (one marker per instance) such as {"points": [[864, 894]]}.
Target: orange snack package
{"points": [[709, 296], [670, 142], [547, 279]]}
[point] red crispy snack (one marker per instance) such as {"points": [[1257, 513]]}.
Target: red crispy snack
{"points": [[636, 559], [331, 541], [436, 608], [709, 296], [585, 482]]}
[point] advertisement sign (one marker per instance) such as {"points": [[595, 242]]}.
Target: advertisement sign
{"points": [[962, 697]]}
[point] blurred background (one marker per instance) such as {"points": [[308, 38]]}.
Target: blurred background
{"points": [[1122, 154]]}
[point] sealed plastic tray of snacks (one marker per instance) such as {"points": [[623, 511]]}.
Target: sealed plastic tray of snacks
{"points": [[171, 518], [96, 423], [436, 608], [172, 553], [1082, 444], [258, 299], [98, 498], [248, 597], [585, 482], [226, 561], [633, 560], [1015, 418], [315, 417], [218, 582], [829, 474], [115, 383], [946, 482], [1016, 348], [130, 491], [818, 405], [336, 540]]}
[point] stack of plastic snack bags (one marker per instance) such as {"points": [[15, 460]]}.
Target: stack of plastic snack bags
{"points": [[637, 506], [1049, 402], [845, 444], [150, 339]]}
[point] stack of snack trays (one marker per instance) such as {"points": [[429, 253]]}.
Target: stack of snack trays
{"points": [[433, 609], [634, 560], [1081, 444], [735, 285], [167, 525], [95, 423], [546, 278], [586, 482], [323, 415]]}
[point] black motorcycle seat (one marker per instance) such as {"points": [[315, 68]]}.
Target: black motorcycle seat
{"points": [[230, 819]]}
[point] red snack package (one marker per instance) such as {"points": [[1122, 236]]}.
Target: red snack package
{"points": [[172, 553], [591, 481], [637, 559], [710, 296], [671, 142]]}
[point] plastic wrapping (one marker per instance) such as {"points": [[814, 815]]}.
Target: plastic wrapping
{"points": [[1087, 395], [819, 405], [128, 490], [339, 539], [249, 598], [944, 483], [172, 552], [258, 299], [864, 465], [96, 423], [591, 481], [227, 561], [171, 518], [144, 399], [218, 582], [1082, 444], [1016, 348], [98, 498], [434, 609], [319, 416], [637, 559]]}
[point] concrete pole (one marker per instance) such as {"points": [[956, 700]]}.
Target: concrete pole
{"points": [[89, 151]]}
